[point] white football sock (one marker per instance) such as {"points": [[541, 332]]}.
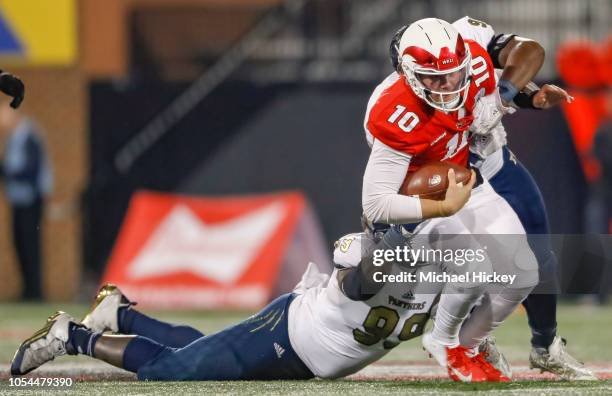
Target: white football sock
{"points": [[453, 308], [493, 310]]}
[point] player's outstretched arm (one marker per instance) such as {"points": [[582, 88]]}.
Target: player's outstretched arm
{"points": [[521, 59]]}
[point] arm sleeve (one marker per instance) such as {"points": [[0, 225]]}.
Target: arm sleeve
{"points": [[382, 180]]}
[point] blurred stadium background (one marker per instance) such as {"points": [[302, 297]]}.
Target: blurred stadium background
{"points": [[187, 111], [216, 98]]}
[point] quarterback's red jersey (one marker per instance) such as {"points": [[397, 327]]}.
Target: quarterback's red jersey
{"points": [[403, 121]]}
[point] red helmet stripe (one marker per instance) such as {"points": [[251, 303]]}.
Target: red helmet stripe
{"points": [[445, 60], [422, 57]]}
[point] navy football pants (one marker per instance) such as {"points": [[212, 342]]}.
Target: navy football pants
{"points": [[516, 185], [255, 349]]}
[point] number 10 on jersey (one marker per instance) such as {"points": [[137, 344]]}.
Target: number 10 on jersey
{"points": [[408, 120]]}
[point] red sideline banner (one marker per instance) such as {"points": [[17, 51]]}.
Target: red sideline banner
{"points": [[223, 252]]}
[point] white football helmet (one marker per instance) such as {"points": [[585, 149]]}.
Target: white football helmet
{"points": [[436, 63]]}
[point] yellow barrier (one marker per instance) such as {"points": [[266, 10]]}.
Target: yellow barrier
{"points": [[38, 32]]}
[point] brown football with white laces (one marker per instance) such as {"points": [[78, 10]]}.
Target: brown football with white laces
{"points": [[431, 180]]}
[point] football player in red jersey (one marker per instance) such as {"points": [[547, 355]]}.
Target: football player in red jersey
{"points": [[422, 114], [515, 57]]}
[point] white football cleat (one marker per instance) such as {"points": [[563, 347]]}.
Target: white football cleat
{"points": [[558, 361], [434, 349], [103, 314], [492, 355], [45, 345]]}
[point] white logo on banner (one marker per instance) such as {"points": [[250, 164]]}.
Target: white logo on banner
{"points": [[220, 251]]}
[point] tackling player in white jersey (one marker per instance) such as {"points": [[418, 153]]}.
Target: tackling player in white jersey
{"points": [[329, 327]]}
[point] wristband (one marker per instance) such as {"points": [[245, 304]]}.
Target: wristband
{"points": [[507, 90], [525, 100]]}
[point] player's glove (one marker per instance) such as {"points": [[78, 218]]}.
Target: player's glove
{"points": [[488, 112], [12, 86]]}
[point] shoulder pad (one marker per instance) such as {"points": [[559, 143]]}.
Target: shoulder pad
{"points": [[473, 29]]}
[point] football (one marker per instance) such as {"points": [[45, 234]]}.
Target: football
{"points": [[431, 180]]}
